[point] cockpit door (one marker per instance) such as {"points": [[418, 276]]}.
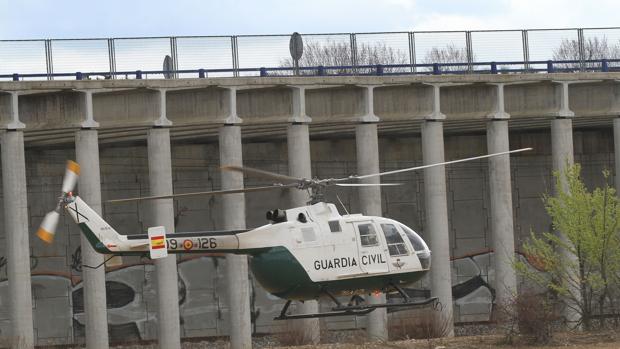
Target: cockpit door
{"points": [[400, 257], [372, 253]]}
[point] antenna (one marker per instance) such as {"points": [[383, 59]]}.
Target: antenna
{"points": [[343, 207]]}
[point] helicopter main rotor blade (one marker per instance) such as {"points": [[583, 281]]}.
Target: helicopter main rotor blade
{"points": [[431, 165], [261, 173], [367, 184], [215, 192]]}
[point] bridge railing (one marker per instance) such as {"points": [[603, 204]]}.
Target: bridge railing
{"points": [[386, 53]]}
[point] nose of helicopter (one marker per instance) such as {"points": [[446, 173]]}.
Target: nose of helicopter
{"points": [[425, 259]]}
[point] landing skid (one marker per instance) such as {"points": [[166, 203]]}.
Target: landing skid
{"points": [[356, 306]]}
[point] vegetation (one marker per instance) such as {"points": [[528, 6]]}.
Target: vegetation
{"points": [[338, 53], [447, 54], [582, 263], [594, 48]]}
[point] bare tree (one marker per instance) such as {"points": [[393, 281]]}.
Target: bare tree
{"points": [[338, 53], [447, 54], [594, 48]]}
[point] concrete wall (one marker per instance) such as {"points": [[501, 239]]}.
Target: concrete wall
{"points": [[58, 310]]}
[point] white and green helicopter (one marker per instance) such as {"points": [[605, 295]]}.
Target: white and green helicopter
{"points": [[303, 253]]}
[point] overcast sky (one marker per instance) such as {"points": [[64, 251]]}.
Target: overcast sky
{"points": [[34, 19]]}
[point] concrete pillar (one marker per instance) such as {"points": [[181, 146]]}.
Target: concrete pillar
{"points": [[93, 280], [234, 218], [562, 154], [160, 183], [502, 227], [617, 152], [367, 144], [17, 238], [436, 230], [299, 165]]}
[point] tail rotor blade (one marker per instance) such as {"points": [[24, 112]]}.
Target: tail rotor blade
{"points": [[71, 176], [48, 227]]}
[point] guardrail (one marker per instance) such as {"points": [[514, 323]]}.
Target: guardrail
{"points": [[602, 65], [453, 52]]}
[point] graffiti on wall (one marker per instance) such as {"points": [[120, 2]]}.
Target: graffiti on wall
{"points": [[132, 299]]}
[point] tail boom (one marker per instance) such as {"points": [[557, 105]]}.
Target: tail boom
{"points": [[104, 239]]}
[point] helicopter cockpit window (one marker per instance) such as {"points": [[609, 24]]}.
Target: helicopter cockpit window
{"points": [[334, 226], [396, 245], [416, 240], [368, 236]]}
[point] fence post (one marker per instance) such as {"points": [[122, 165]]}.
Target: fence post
{"points": [[469, 51], [49, 62], [550, 68], [526, 50], [412, 51], [112, 58], [354, 63], [235, 55], [379, 69], [582, 54], [493, 68], [173, 55], [263, 71], [436, 70], [604, 65]]}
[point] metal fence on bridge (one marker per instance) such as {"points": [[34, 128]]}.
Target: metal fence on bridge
{"points": [[486, 51]]}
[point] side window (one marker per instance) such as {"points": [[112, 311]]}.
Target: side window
{"points": [[395, 242], [334, 226], [416, 240], [368, 236]]}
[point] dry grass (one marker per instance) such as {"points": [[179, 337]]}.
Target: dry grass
{"points": [[425, 324]]}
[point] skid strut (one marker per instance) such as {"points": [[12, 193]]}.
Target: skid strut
{"points": [[356, 306]]}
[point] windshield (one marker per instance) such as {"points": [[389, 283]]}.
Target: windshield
{"points": [[418, 244]]}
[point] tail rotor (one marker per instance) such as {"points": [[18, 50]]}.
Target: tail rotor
{"points": [[47, 229]]}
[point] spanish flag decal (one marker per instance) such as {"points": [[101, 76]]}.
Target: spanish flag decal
{"points": [[158, 242]]}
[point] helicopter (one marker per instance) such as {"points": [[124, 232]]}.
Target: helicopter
{"points": [[303, 253]]}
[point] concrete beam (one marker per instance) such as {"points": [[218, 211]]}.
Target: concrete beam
{"points": [[89, 185], [265, 105], [138, 107], [198, 106], [344, 104], [595, 98], [233, 207], [436, 229], [367, 145], [299, 165], [160, 183], [17, 238]]}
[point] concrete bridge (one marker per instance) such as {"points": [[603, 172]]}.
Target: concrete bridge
{"points": [[138, 137]]}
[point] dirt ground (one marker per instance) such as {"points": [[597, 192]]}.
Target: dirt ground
{"points": [[604, 340]]}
